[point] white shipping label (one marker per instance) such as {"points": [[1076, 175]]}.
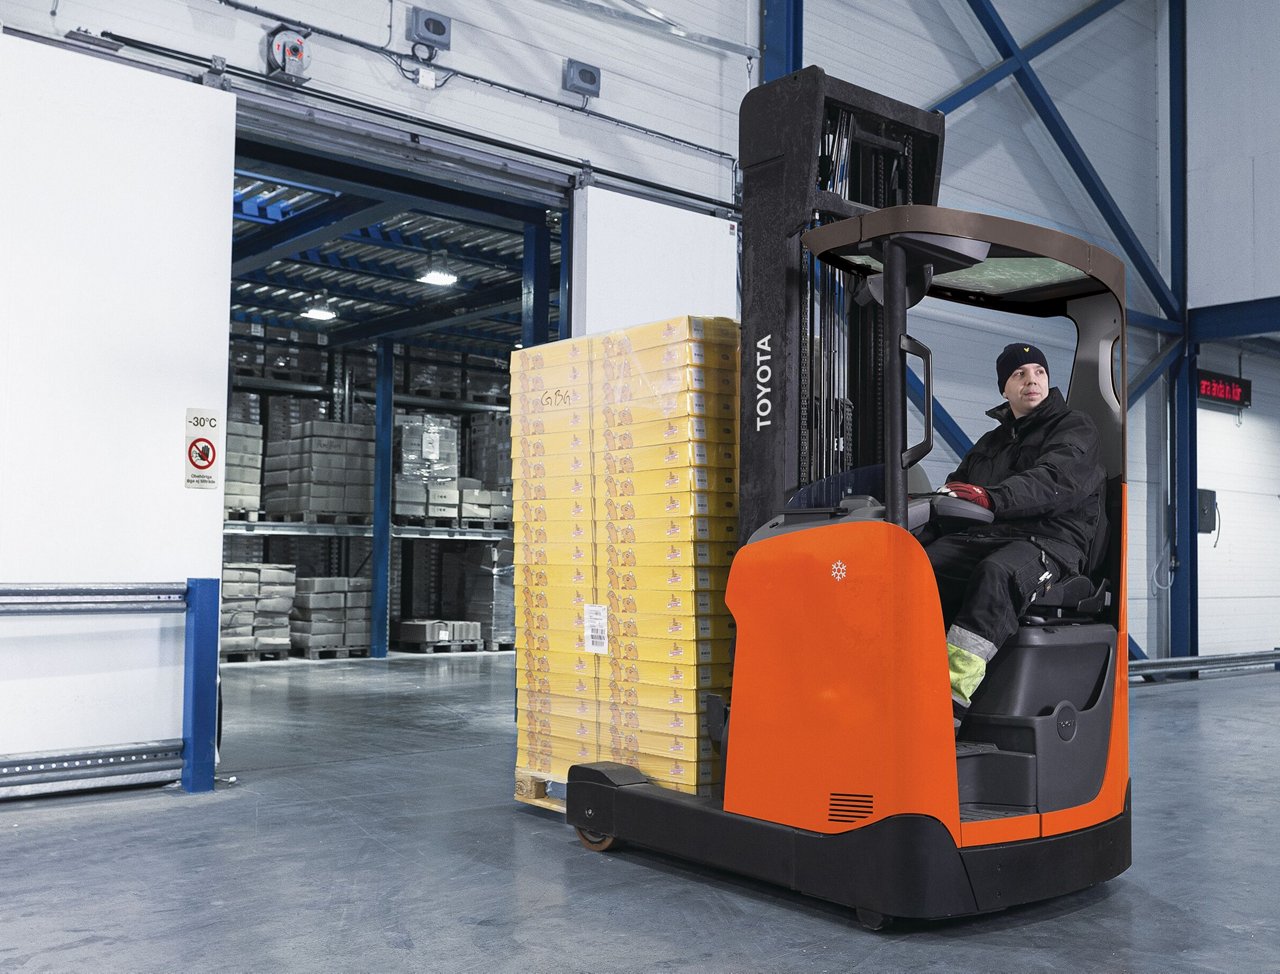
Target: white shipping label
{"points": [[203, 465], [595, 628], [431, 445]]}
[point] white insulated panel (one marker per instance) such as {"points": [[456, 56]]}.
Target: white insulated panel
{"points": [[97, 375]]}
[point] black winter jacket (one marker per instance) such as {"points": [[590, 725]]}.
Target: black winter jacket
{"points": [[1044, 477]]}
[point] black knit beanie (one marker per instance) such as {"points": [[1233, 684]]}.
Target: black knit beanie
{"points": [[1013, 358]]}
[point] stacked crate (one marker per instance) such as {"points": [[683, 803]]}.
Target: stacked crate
{"points": [[322, 468], [243, 478], [331, 617], [426, 458], [489, 448], [624, 454], [256, 602], [477, 586]]}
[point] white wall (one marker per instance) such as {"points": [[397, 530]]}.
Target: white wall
{"points": [[658, 81], [114, 282], [1238, 455], [637, 261], [1233, 153]]}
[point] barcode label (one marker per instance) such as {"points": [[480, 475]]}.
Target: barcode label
{"points": [[595, 628]]}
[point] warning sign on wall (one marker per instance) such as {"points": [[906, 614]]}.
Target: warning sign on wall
{"points": [[202, 462]]}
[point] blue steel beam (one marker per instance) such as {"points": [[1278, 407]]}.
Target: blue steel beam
{"points": [[1141, 319], [566, 276], [1178, 148], [1135, 651], [535, 286], [1159, 366], [429, 317], [997, 73], [280, 279], [383, 421], [1240, 319], [311, 228], [782, 33], [418, 243], [1075, 155]]}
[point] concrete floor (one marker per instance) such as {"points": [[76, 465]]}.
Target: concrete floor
{"points": [[370, 827]]}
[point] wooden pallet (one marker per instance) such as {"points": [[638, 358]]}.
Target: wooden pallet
{"points": [[493, 646], [240, 514], [326, 652], [317, 517], [531, 788], [445, 647], [485, 524], [251, 655]]}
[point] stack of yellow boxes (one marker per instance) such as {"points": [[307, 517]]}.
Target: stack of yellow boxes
{"points": [[625, 466]]}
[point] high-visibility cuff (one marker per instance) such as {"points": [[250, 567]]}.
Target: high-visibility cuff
{"points": [[967, 671], [971, 642]]}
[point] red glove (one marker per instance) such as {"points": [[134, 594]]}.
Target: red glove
{"points": [[971, 493]]}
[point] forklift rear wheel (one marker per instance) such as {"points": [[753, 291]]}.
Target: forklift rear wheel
{"points": [[595, 841], [872, 920]]}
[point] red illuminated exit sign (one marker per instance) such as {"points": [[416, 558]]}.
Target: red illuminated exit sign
{"points": [[1226, 390]]}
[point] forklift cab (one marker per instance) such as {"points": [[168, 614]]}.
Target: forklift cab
{"points": [[843, 778]]}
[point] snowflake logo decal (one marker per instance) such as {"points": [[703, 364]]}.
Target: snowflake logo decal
{"points": [[839, 570]]}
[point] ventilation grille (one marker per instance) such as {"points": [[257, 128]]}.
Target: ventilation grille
{"points": [[849, 808]]}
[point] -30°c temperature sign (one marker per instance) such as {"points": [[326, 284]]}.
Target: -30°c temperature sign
{"points": [[202, 466]]}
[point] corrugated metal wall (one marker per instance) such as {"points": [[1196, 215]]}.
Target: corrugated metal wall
{"points": [[999, 158], [658, 81]]}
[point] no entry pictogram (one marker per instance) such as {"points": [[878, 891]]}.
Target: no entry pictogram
{"points": [[201, 453]]}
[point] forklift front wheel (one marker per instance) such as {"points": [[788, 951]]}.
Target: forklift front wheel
{"points": [[595, 841], [872, 920]]}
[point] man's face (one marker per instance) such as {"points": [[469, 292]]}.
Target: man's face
{"points": [[1026, 388]]}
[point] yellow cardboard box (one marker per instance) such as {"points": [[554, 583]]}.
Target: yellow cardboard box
{"points": [[702, 554], [692, 676], [544, 576], [567, 351], [678, 429], [615, 736], [652, 578], [669, 331], [666, 770], [555, 465], [555, 553], [557, 597], [646, 719], [624, 486], [656, 529], [663, 504], [664, 382], [671, 650], [656, 602], [553, 378], [544, 423], [661, 627], [654, 409], [531, 641], [664, 456], [660, 358], [554, 511], [526, 487], [551, 532], [572, 400], [550, 444], [557, 769]]}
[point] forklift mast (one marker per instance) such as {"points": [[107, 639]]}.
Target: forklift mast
{"points": [[816, 150]]}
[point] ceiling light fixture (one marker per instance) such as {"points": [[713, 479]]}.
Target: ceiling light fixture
{"points": [[438, 271], [319, 308]]}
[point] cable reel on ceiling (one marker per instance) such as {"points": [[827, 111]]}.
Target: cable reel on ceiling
{"points": [[288, 54]]}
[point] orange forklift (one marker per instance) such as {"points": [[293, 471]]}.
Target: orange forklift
{"points": [[844, 777]]}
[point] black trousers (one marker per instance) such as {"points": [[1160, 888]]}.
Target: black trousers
{"points": [[987, 583]]}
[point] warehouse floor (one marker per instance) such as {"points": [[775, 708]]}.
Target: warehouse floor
{"points": [[370, 827]]}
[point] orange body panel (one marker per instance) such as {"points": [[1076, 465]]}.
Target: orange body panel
{"points": [[998, 830], [842, 713], [1115, 783]]}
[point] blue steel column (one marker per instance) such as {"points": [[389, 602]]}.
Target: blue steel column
{"points": [[1184, 614], [782, 33], [1184, 609], [566, 271], [200, 685], [535, 309], [384, 418]]}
